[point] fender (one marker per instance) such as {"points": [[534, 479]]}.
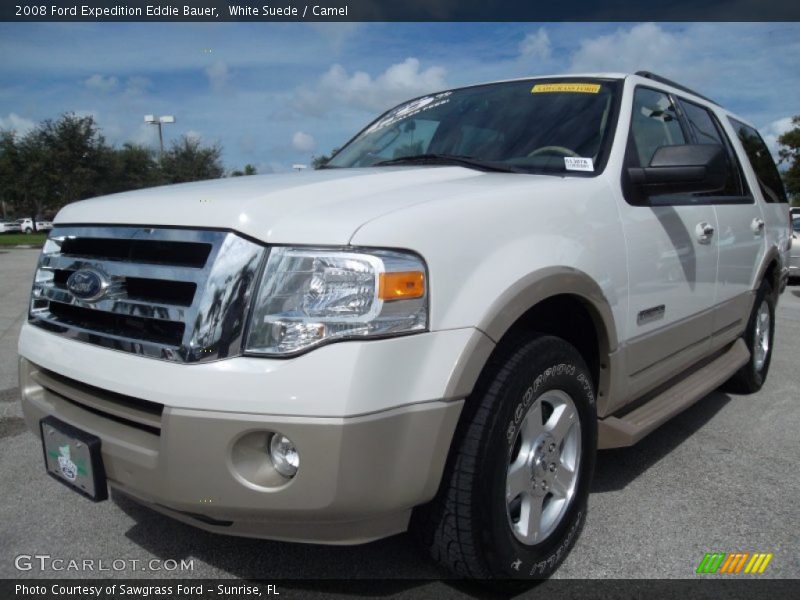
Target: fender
{"points": [[519, 298]]}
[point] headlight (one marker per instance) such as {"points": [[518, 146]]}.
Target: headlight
{"points": [[311, 296]]}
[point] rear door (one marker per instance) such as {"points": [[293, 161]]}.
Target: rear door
{"points": [[740, 233], [766, 185]]}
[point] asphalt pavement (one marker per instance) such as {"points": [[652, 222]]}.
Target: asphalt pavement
{"points": [[720, 477]]}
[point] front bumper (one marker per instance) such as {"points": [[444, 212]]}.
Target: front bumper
{"points": [[359, 477]]}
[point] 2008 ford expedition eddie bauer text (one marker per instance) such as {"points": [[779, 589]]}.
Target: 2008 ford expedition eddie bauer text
{"points": [[435, 331]]}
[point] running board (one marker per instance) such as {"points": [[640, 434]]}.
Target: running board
{"points": [[618, 432]]}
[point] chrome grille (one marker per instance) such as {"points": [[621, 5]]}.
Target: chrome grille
{"points": [[175, 294]]}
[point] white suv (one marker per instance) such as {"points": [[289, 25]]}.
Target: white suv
{"points": [[437, 330]]}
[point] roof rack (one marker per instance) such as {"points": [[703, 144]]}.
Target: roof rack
{"points": [[664, 80]]}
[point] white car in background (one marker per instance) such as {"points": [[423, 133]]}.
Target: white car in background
{"points": [[9, 227], [26, 225]]}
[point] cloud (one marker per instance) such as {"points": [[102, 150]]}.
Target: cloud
{"points": [[136, 85], [643, 46], [303, 142], [193, 135], [773, 131], [218, 75], [13, 122], [98, 83], [536, 45], [360, 90]]}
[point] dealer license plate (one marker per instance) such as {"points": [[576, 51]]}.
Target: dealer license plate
{"points": [[73, 457]]}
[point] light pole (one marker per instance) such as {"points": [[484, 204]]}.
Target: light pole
{"points": [[153, 120]]}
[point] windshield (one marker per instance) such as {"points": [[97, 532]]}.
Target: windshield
{"points": [[536, 126], [796, 225]]}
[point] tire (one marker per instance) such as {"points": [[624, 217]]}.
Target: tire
{"points": [[753, 374], [476, 525], [28, 231]]}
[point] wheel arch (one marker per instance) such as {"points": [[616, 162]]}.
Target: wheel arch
{"points": [[560, 301], [770, 271]]}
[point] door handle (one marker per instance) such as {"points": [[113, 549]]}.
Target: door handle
{"points": [[704, 232], [757, 226]]}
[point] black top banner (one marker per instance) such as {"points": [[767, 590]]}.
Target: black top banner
{"points": [[399, 10]]}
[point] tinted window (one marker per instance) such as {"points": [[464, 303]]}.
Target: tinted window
{"points": [[704, 130], [529, 125], [701, 123], [654, 123], [760, 159]]}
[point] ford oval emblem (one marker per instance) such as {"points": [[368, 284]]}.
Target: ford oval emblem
{"points": [[86, 284]]}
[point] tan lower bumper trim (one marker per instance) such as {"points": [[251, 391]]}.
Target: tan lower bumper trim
{"points": [[338, 533]]}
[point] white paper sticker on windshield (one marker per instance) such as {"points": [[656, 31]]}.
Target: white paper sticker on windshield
{"points": [[577, 163]]}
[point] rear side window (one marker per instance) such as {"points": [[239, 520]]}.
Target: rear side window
{"points": [[654, 123], [769, 180], [705, 130]]}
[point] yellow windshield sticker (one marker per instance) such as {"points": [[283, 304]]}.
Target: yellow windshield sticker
{"points": [[579, 88]]}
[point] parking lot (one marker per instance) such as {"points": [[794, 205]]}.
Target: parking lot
{"points": [[721, 477]]}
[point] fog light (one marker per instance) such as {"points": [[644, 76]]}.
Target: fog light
{"points": [[284, 455]]}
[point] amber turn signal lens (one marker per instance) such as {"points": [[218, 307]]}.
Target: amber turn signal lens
{"points": [[402, 286]]}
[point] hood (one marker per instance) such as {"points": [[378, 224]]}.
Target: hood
{"points": [[312, 207]]}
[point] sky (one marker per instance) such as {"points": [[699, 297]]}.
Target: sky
{"points": [[274, 95]]}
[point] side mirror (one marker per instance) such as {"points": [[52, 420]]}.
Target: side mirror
{"points": [[682, 169]]}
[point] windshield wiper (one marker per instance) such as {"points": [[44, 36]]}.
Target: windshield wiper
{"points": [[448, 159]]}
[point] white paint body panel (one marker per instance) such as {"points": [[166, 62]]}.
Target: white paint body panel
{"points": [[312, 207], [775, 215], [495, 230], [667, 266]]}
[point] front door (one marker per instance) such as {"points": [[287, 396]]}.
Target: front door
{"points": [[672, 259]]}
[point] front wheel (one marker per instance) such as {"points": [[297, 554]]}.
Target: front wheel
{"points": [[514, 494]]}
